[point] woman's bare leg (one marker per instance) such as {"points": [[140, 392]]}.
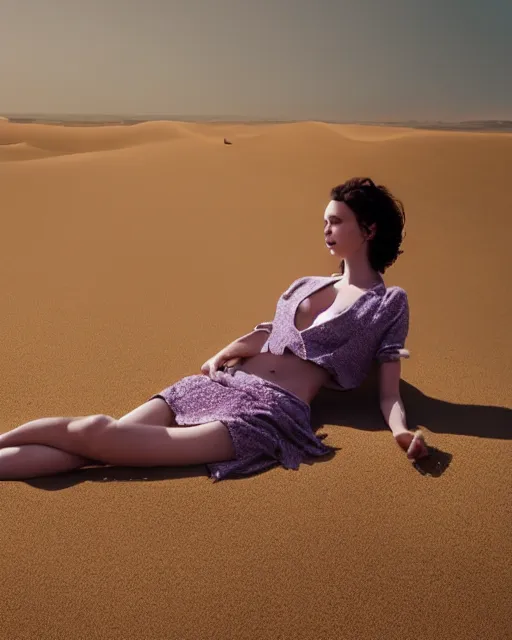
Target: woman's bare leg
{"points": [[101, 437], [21, 460], [34, 460]]}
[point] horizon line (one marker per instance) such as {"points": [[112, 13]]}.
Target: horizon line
{"points": [[166, 116]]}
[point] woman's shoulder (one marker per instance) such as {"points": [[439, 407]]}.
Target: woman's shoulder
{"points": [[306, 280], [295, 285], [395, 292], [395, 299]]}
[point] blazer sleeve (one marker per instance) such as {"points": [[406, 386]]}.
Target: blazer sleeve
{"points": [[392, 344], [264, 326]]}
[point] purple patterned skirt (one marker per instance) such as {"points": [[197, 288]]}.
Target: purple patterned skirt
{"points": [[268, 424]]}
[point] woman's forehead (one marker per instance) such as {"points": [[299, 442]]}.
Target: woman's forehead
{"points": [[336, 208]]}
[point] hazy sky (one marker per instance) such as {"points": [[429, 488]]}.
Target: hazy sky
{"points": [[319, 59]]}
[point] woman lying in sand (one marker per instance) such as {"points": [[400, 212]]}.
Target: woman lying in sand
{"points": [[250, 408]]}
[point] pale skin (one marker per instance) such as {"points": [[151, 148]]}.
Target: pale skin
{"points": [[341, 226], [149, 436]]}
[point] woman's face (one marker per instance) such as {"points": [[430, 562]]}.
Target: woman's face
{"points": [[341, 227]]}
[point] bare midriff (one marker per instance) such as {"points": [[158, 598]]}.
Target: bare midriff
{"points": [[300, 377]]}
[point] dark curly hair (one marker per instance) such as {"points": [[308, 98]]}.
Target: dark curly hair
{"points": [[374, 203]]}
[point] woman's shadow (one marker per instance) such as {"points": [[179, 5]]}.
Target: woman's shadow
{"points": [[359, 408]]}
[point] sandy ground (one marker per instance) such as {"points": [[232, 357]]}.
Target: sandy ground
{"points": [[129, 255]]}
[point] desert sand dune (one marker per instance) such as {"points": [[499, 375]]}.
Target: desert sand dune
{"points": [[19, 151], [138, 252], [81, 139], [369, 133]]}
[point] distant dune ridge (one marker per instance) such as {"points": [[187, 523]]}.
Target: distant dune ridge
{"points": [[37, 141], [502, 125], [130, 255]]}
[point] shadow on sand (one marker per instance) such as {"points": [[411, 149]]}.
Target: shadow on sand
{"points": [[359, 408]]}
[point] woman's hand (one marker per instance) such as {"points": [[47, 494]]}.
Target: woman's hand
{"points": [[216, 362], [413, 443]]}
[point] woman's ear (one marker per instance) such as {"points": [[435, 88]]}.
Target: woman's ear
{"points": [[372, 231]]}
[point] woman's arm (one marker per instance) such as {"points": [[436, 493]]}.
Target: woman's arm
{"points": [[246, 346], [393, 412]]}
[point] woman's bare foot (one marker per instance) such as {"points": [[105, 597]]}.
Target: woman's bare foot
{"points": [[413, 443]]}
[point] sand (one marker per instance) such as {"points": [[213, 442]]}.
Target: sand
{"points": [[130, 254]]}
